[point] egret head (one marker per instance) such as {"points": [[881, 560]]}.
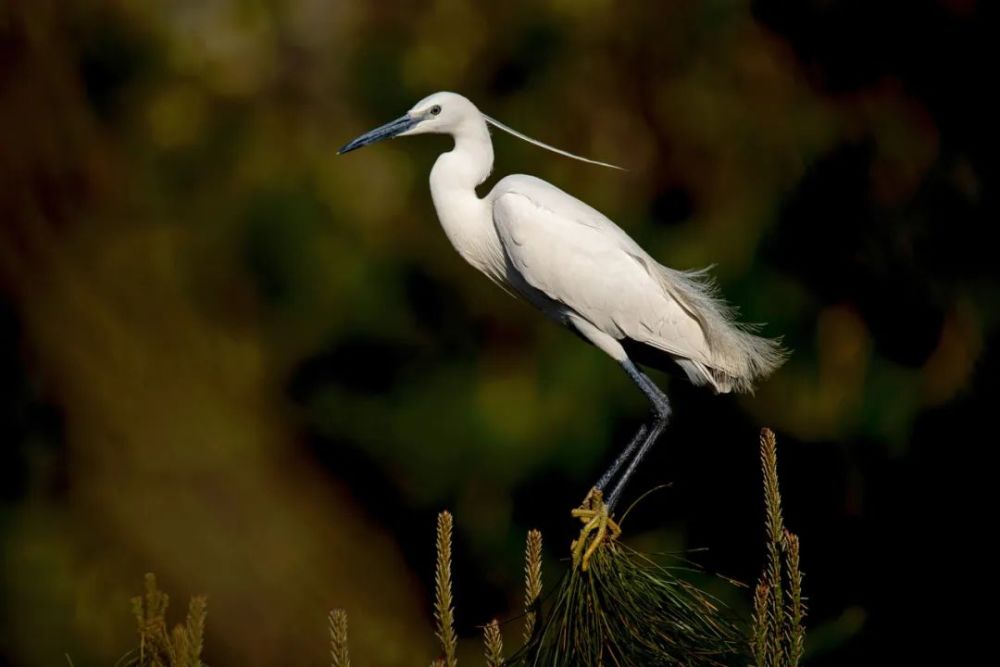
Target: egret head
{"points": [[448, 113], [440, 113]]}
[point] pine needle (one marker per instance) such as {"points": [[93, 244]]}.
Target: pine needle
{"points": [[532, 582], [444, 612], [339, 656], [628, 610], [494, 644]]}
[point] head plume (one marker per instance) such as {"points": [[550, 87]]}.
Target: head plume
{"points": [[497, 124]]}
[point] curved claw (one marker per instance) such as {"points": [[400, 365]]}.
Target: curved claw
{"points": [[593, 512]]}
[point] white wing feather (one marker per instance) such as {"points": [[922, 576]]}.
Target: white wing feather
{"points": [[579, 258]]}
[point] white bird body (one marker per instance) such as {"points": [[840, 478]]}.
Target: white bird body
{"points": [[581, 270], [594, 275]]}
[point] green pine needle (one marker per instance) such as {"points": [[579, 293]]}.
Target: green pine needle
{"points": [[628, 610]]}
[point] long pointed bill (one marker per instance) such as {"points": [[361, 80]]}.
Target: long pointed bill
{"points": [[388, 130]]}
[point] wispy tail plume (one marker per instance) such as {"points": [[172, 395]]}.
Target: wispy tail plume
{"points": [[739, 357]]}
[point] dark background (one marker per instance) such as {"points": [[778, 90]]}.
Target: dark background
{"points": [[258, 369]]}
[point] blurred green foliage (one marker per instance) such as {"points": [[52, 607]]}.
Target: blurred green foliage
{"points": [[258, 368]]}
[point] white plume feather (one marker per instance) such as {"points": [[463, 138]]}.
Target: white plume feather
{"points": [[520, 135]]}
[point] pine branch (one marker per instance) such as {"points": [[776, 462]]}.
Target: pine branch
{"points": [[155, 646], [761, 623], [444, 612], [778, 636], [532, 582], [494, 644], [194, 630], [179, 642], [180, 647], [774, 524], [794, 630], [339, 656]]}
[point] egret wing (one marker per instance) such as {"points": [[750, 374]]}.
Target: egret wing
{"points": [[583, 261]]}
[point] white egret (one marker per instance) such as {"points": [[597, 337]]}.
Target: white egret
{"points": [[581, 270]]}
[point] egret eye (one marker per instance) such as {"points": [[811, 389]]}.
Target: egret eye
{"points": [[436, 109]]}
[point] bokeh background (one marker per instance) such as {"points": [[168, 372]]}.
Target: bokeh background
{"points": [[232, 357]]}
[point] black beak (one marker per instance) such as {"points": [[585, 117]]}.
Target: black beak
{"points": [[388, 130]]}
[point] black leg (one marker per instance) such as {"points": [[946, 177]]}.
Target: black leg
{"points": [[655, 430], [661, 406], [626, 455], [648, 435]]}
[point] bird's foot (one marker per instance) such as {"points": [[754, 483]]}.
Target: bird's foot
{"points": [[597, 527]]}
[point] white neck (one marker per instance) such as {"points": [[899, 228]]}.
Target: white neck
{"points": [[469, 163], [467, 219]]}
